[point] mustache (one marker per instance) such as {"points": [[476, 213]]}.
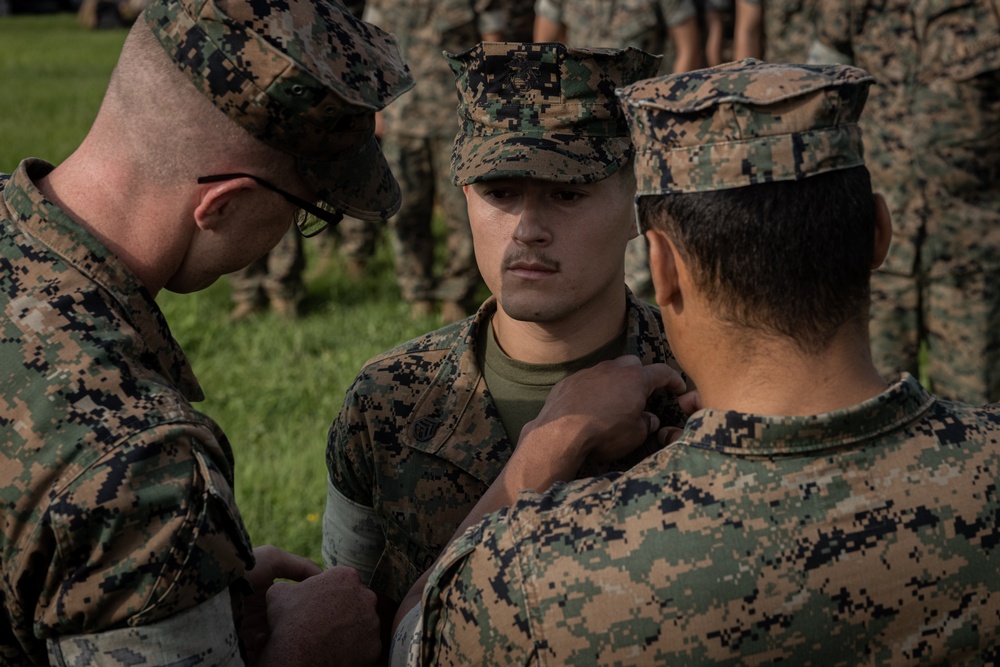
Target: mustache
{"points": [[529, 256]]}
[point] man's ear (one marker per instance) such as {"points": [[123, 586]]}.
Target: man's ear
{"points": [[883, 231], [663, 261], [214, 200]]}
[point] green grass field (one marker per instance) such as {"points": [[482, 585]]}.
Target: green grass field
{"points": [[274, 386]]}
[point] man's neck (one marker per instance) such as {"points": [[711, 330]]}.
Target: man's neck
{"points": [[770, 375], [570, 338], [109, 204]]}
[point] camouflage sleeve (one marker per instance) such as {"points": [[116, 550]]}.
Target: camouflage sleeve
{"points": [[351, 534], [550, 9], [474, 608], [203, 635], [349, 450], [147, 531], [676, 12]]}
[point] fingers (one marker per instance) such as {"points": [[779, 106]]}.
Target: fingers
{"points": [[690, 402], [655, 376], [668, 435], [652, 422], [274, 563]]}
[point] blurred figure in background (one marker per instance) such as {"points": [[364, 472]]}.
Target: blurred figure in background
{"points": [[274, 281], [932, 134], [779, 31], [655, 26], [417, 135]]}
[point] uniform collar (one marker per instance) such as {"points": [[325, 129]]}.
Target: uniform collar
{"points": [[42, 220], [745, 434]]}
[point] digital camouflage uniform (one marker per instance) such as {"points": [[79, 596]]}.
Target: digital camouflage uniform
{"points": [[789, 29], [420, 440], [120, 540], [869, 535], [118, 503], [642, 24], [866, 536], [934, 152], [417, 138]]}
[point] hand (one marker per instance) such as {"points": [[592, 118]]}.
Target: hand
{"points": [[598, 412], [271, 563], [327, 619], [690, 403]]}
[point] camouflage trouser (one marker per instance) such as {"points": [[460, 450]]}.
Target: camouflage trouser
{"points": [[422, 166], [275, 276], [958, 317], [637, 275], [356, 238]]}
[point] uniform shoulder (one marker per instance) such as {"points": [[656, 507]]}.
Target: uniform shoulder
{"points": [[455, 336]]}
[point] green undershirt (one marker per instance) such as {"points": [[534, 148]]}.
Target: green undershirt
{"points": [[519, 389]]}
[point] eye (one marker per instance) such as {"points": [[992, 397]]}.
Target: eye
{"points": [[499, 193], [568, 195]]}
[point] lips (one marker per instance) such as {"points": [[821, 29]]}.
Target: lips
{"points": [[530, 267]]}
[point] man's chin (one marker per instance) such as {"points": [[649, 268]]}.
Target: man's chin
{"points": [[182, 286]]}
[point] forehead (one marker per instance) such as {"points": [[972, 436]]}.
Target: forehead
{"points": [[530, 182]]}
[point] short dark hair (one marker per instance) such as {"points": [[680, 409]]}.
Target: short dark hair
{"points": [[791, 258]]}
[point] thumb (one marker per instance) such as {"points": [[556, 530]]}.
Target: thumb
{"points": [[652, 422], [669, 435]]}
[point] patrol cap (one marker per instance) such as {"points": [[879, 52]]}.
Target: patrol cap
{"points": [[542, 110], [743, 123], [303, 76]]}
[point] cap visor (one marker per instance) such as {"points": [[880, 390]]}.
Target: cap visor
{"points": [[563, 158], [361, 186]]}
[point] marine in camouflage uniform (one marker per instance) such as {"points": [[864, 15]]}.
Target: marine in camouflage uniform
{"points": [[103, 456], [120, 539], [417, 137], [866, 534], [934, 151], [642, 24], [419, 422], [424, 429]]}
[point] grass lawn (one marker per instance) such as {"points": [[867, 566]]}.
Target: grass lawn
{"points": [[274, 386]]}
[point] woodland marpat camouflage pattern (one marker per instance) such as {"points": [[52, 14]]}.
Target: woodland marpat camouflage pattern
{"points": [[866, 536], [420, 439], [743, 123], [307, 84], [542, 111], [933, 150], [118, 506]]}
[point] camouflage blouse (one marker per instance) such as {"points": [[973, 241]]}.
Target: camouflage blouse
{"points": [[865, 536], [118, 505], [419, 438]]}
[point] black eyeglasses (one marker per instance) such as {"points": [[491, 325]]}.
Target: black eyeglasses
{"points": [[310, 219]]}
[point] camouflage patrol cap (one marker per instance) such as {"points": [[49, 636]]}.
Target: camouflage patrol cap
{"points": [[303, 76], [744, 122], [542, 110]]}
